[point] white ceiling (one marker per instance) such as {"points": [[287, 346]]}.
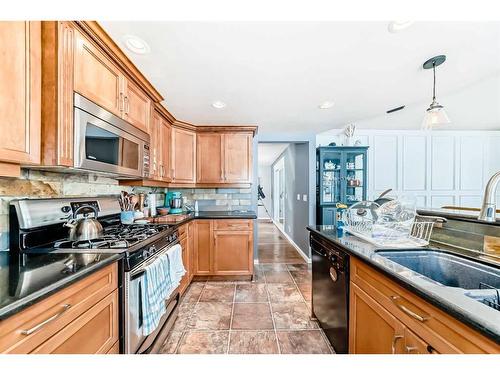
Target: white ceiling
{"points": [[276, 74], [269, 152]]}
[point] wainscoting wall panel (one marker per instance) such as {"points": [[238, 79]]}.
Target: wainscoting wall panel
{"points": [[438, 168]]}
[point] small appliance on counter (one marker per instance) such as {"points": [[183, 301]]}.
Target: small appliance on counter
{"points": [[174, 201]]}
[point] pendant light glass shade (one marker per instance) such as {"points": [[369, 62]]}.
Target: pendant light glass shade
{"points": [[435, 114]]}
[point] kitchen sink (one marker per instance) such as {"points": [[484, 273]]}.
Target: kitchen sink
{"points": [[446, 268]]}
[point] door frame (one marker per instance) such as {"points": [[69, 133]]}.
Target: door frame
{"points": [[278, 167]]}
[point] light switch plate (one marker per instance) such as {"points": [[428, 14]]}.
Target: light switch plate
{"points": [[304, 197], [298, 197]]}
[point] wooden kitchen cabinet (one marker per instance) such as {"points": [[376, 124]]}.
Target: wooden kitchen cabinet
{"points": [[93, 332], [96, 77], [183, 155], [224, 158], [203, 247], [20, 95], [372, 330], [191, 237], [136, 105], [380, 310], [238, 158], [184, 242], [166, 147], [223, 252], [233, 252], [58, 46], [86, 310], [210, 158]]}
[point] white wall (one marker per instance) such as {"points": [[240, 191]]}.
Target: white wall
{"points": [[265, 182], [439, 168]]}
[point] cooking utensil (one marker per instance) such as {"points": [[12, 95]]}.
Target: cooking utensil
{"points": [[381, 200], [141, 201], [86, 228]]}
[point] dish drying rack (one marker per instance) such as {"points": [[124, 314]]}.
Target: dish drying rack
{"points": [[418, 235]]}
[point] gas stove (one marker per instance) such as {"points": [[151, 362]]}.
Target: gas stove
{"points": [[37, 226], [115, 237]]}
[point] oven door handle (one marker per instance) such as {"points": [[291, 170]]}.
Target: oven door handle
{"points": [[142, 270]]}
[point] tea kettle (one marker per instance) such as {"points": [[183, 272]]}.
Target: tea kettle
{"points": [[87, 228]]}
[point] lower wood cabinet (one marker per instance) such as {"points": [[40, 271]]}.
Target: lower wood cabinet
{"points": [[386, 318], [183, 241], [233, 252], [223, 247], [82, 318]]}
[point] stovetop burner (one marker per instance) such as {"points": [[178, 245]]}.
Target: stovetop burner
{"points": [[115, 237]]}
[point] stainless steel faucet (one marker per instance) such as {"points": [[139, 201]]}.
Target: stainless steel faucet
{"points": [[489, 207]]}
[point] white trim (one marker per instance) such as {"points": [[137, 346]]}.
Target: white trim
{"points": [[301, 253]]}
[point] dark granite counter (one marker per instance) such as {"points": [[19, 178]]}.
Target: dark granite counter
{"points": [[40, 275], [209, 215], [453, 301]]}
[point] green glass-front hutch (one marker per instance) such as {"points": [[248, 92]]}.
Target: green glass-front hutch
{"points": [[341, 177]]}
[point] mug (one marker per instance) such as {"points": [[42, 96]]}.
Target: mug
{"points": [[127, 217]]}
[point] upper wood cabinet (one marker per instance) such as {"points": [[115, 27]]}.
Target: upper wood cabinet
{"points": [[20, 93], [160, 132], [224, 158], [58, 45], [136, 105], [210, 158], [238, 158], [183, 155], [96, 77]]}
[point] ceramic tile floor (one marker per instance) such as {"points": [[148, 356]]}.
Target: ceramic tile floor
{"points": [[269, 315]]}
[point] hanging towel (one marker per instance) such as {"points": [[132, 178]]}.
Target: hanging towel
{"points": [[176, 267], [156, 288]]}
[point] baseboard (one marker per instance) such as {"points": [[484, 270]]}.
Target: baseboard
{"points": [[306, 258]]}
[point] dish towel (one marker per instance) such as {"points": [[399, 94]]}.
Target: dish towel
{"points": [[156, 288], [177, 270]]}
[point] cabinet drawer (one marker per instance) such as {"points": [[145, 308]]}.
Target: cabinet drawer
{"points": [[444, 333], [93, 332], [55, 312], [233, 224]]}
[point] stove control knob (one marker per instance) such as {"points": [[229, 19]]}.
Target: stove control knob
{"points": [[65, 209], [152, 250], [145, 253]]}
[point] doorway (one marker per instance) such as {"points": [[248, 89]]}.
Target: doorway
{"points": [[279, 193]]}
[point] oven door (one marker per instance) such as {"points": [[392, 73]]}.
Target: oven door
{"points": [[106, 143], [135, 340]]}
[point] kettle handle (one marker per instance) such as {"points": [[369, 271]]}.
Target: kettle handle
{"points": [[82, 207]]}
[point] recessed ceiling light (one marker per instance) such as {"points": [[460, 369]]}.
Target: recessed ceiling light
{"points": [[218, 104], [397, 26], [326, 105], [136, 44]]}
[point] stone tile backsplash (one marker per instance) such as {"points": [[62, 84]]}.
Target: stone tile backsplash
{"points": [[48, 184], [219, 199], [43, 184]]}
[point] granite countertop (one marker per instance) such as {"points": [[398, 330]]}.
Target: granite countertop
{"points": [[22, 285], [480, 317], [208, 215]]}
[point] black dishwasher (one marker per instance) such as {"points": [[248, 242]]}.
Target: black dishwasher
{"points": [[330, 291]]}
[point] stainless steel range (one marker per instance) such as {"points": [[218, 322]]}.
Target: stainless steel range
{"points": [[38, 226]]}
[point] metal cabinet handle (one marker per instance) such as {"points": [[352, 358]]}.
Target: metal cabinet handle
{"points": [[39, 326], [127, 105], [410, 349], [394, 341], [406, 310], [121, 103]]}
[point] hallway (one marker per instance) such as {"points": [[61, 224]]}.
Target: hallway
{"points": [[269, 315]]}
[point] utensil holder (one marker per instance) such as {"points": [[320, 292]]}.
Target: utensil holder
{"points": [[127, 217]]}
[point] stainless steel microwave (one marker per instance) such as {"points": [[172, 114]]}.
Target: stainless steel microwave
{"points": [[106, 143]]}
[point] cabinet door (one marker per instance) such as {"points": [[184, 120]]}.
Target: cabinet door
{"points": [[415, 345], [155, 150], [136, 105], [183, 156], [166, 140], [372, 329], [20, 91], [203, 247], [96, 77], [93, 332], [191, 241], [237, 158], [233, 252], [210, 155]]}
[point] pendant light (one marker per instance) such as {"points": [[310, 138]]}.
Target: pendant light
{"points": [[435, 114]]}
